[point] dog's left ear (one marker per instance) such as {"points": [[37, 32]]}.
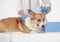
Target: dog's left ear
{"points": [[31, 12]]}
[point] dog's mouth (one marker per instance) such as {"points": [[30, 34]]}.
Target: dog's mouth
{"points": [[41, 29]]}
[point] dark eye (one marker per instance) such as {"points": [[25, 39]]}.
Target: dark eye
{"points": [[32, 18], [39, 20], [43, 19]]}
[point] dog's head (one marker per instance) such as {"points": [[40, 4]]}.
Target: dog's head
{"points": [[38, 20]]}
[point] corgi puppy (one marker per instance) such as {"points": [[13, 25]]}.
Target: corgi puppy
{"points": [[34, 23]]}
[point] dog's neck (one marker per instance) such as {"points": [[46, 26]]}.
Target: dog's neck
{"points": [[29, 25]]}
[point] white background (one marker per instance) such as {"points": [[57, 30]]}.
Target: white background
{"points": [[8, 9]]}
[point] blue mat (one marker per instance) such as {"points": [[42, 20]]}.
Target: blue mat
{"points": [[53, 27]]}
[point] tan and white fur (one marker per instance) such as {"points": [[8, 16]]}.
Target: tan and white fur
{"points": [[34, 23]]}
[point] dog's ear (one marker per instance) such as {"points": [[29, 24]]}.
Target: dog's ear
{"points": [[31, 12]]}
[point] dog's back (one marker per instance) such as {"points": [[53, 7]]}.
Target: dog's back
{"points": [[9, 24], [13, 25]]}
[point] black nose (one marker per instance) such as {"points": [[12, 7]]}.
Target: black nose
{"points": [[38, 25], [43, 26]]}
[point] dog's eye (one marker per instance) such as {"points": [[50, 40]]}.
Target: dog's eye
{"points": [[43, 19], [32, 18], [39, 20]]}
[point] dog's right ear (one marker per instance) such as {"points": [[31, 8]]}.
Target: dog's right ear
{"points": [[31, 12]]}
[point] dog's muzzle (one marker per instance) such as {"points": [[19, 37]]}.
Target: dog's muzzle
{"points": [[43, 28], [40, 30]]}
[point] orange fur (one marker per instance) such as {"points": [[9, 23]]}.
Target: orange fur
{"points": [[12, 25]]}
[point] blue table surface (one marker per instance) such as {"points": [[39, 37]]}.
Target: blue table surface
{"points": [[52, 27]]}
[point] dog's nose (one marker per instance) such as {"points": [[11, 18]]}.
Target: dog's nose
{"points": [[43, 26], [37, 25]]}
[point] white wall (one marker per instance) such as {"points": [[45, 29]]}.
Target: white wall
{"points": [[54, 15], [8, 9]]}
